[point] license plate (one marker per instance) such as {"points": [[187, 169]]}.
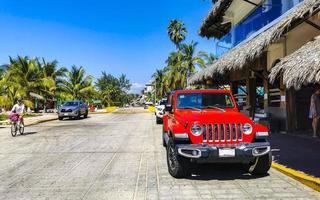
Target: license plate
{"points": [[227, 153], [65, 114]]}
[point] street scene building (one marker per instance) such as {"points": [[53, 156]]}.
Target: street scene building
{"points": [[160, 100], [269, 56]]}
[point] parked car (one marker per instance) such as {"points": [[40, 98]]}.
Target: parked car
{"points": [[159, 110], [205, 126], [73, 109]]}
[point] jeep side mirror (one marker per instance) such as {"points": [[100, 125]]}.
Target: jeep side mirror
{"points": [[168, 108]]}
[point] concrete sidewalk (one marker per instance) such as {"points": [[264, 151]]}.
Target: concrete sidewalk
{"points": [[33, 120], [297, 152]]}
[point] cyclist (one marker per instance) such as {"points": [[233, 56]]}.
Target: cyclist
{"points": [[19, 109]]}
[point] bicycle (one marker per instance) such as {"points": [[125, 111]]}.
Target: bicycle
{"points": [[16, 125]]}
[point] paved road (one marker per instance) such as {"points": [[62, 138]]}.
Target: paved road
{"points": [[118, 156]]}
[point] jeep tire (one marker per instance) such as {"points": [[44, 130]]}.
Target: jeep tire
{"points": [[158, 120], [177, 165], [261, 165]]}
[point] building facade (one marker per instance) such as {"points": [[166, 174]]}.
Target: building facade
{"points": [[254, 37]]}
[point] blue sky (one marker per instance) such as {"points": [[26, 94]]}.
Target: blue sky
{"points": [[102, 35]]}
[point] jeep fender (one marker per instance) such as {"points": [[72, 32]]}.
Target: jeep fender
{"points": [[177, 128], [165, 123], [260, 128]]}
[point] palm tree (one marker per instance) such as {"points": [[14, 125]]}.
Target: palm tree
{"points": [[51, 78], [209, 58], [173, 70], [190, 61], [160, 82], [25, 73], [177, 32], [124, 83], [77, 84]]}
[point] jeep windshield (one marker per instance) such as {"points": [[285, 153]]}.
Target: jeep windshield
{"points": [[196, 101]]}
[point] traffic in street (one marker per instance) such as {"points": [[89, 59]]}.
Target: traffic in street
{"points": [[120, 156]]}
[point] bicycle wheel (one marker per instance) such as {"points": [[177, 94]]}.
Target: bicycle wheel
{"points": [[14, 129], [21, 130]]}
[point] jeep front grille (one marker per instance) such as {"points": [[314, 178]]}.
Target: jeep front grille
{"points": [[221, 132]]}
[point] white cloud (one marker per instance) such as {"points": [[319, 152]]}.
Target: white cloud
{"points": [[136, 88]]}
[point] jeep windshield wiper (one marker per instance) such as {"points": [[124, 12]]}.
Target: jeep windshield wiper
{"points": [[215, 107], [190, 107]]}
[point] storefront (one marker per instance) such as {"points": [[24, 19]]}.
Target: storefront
{"points": [[247, 67]]}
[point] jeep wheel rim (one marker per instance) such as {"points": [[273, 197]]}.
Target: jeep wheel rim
{"points": [[172, 158]]}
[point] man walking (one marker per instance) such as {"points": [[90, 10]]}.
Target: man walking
{"points": [[315, 112]]}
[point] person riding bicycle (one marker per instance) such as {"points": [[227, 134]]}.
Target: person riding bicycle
{"points": [[19, 109]]}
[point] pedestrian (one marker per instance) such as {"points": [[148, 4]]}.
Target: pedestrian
{"points": [[314, 113]]}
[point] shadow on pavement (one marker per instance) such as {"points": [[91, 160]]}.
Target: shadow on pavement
{"points": [[220, 172], [75, 119], [296, 152], [29, 133]]}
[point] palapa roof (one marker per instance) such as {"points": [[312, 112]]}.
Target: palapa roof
{"points": [[252, 48], [301, 67], [212, 26]]}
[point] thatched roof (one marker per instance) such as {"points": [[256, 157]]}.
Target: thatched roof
{"points": [[252, 48], [212, 26], [301, 67]]}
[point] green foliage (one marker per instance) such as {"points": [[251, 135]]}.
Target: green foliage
{"points": [[76, 84], [24, 76], [113, 91], [177, 32], [181, 63]]}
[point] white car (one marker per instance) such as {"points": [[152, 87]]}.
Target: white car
{"points": [[159, 111]]}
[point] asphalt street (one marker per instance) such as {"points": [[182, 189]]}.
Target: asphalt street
{"points": [[119, 156]]}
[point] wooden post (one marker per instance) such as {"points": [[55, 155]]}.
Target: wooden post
{"points": [[266, 94], [291, 111], [251, 97], [233, 87]]}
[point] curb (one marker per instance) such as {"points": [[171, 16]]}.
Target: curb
{"points": [[97, 113], [41, 121], [303, 178]]}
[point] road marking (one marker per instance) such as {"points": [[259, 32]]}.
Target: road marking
{"points": [[146, 185], [137, 181]]}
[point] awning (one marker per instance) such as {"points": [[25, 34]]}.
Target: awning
{"points": [[37, 96], [97, 101], [213, 25], [302, 67], [224, 15], [253, 47]]}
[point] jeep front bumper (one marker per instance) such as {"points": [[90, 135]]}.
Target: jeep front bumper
{"points": [[240, 153]]}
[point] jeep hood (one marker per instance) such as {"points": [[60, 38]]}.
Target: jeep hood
{"points": [[211, 116]]}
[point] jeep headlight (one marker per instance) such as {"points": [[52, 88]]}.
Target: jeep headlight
{"points": [[196, 130], [247, 129]]}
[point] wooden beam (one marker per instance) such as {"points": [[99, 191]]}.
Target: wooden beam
{"points": [[250, 2], [313, 24]]}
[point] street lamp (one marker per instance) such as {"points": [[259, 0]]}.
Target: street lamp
{"points": [[155, 91]]}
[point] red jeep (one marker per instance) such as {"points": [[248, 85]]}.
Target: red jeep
{"points": [[205, 126]]}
